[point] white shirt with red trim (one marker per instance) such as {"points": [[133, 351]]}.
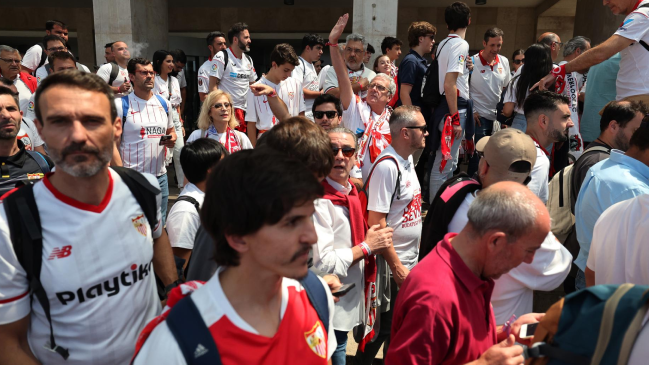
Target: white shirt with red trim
{"points": [[24, 94], [633, 77], [161, 87], [146, 122], [487, 83], [204, 77], [235, 77], [306, 74], [28, 135], [453, 52], [33, 57], [300, 337], [96, 271], [289, 90]]}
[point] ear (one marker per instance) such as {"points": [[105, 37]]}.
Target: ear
{"points": [[484, 44], [543, 120], [496, 241], [117, 129], [483, 167], [39, 126], [238, 243], [614, 126]]}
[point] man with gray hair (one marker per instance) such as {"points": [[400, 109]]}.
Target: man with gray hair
{"points": [[359, 75], [443, 314], [574, 83], [10, 69]]}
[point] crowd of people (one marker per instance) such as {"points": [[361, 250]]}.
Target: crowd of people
{"points": [[319, 203]]}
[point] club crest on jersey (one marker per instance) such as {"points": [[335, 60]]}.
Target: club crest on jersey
{"points": [[290, 95], [461, 59], [200, 82], [139, 224], [315, 338]]}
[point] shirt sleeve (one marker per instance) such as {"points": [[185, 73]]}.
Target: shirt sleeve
{"points": [[298, 73], [104, 72], [33, 132], [300, 93], [182, 223], [510, 92], [331, 82], [160, 348], [407, 71], [41, 74], [352, 116], [30, 113], [382, 183], [194, 136], [14, 287], [245, 141], [251, 109], [325, 257], [635, 26], [218, 66], [508, 75], [182, 81], [32, 57], [457, 58], [551, 265], [203, 82]]}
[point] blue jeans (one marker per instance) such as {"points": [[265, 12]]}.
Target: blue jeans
{"points": [[437, 177], [164, 189], [484, 129], [339, 356], [580, 280], [520, 122]]}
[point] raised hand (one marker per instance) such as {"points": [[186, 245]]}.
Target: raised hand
{"points": [[338, 29]]}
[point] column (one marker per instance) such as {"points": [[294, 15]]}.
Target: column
{"points": [[595, 21], [375, 19]]}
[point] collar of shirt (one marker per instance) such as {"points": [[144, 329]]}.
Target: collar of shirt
{"points": [[343, 189], [418, 56], [402, 162], [446, 251], [191, 188], [485, 63], [619, 157], [19, 158]]}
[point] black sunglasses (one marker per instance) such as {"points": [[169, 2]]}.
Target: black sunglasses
{"points": [[347, 151], [219, 105], [330, 114], [518, 62], [422, 128]]}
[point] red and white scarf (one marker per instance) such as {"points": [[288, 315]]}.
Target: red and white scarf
{"points": [[373, 140], [232, 143]]}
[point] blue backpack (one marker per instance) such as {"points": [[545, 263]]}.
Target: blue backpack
{"points": [[597, 325], [125, 105], [196, 341]]}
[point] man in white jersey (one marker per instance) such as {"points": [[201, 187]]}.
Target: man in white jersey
{"points": [[147, 125], [98, 246], [52, 44], [120, 85], [631, 40], [27, 134], [215, 43], [305, 72], [238, 74], [359, 75], [259, 116], [10, 69], [34, 57]]}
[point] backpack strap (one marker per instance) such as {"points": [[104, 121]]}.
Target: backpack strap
{"points": [[397, 188], [125, 106], [113, 73], [43, 57], [226, 58], [318, 297], [597, 149], [40, 160], [169, 87], [192, 334], [143, 191], [26, 235], [163, 102], [189, 199], [48, 68]]}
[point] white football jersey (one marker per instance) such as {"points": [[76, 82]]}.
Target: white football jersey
{"points": [[235, 77], [204, 77], [289, 90]]}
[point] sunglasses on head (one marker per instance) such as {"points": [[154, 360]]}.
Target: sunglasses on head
{"points": [[518, 62], [347, 151], [330, 114]]}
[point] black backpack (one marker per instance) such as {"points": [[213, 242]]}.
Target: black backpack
{"points": [[442, 210], [430, 95], [43, 57], [113, 73], [226, 58], [27, 239]]}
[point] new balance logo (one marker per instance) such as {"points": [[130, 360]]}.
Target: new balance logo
{"points": [[200, 351], [59, 253]]}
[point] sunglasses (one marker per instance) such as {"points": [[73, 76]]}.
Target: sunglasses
{"points": [[518, 62], [347, 151], [422, 128], [222, 105], [330, 114]]}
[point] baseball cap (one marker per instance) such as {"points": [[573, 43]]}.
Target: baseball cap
{"points": [[506, 147]]}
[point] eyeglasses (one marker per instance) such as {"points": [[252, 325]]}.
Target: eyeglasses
{"points": [[56, 49], [559, 44], [11, 60], [146, 73], [354, 50], [378, 87], [518, 62], [330, 114], [347, 151], [422, 128], [431, 36], [222, 105]]}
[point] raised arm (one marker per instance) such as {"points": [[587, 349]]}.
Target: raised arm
{"points": [[338, 63]]}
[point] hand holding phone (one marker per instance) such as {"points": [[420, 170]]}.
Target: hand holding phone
{"points": [[343, 290], [164, 138], [527, 330]]}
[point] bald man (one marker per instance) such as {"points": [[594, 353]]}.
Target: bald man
{"points": [[553, 41]]}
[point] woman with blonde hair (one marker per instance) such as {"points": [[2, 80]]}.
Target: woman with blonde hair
{"points": [[217, 121]]}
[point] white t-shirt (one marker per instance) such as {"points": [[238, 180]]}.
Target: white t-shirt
{"points": [[236, 81], [28, 135], [183, 219], [204, 77], [238, 342], [146, 121], [182, 81], [619, 251], [510, 95], [404, 212], [332, 254], [24, 94], [487, 83], [122, 76], [96, 270], [306, 74], [221, 137], [539, 175], [322, 77], [452, 58], [514, 291], [332, 80], [161, 87], [41, 72], [289, 90], [633, 77], [32, 57]]}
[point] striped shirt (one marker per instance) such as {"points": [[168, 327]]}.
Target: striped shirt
{"points": [[289, 90]]}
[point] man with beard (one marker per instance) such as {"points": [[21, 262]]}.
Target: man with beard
{"points": [[97, 241], [359, 75], [233, 72], [17, 163], [548, 122], [147, 127]]}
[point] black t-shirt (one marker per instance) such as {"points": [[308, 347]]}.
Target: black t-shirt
{"points": [[19, 168], [583, 164]]}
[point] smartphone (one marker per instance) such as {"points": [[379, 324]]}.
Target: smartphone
{"points": [[164, 138], [527, 330], [343, 290]]}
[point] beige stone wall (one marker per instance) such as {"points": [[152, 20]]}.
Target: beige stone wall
{"points": [[563, 26]]}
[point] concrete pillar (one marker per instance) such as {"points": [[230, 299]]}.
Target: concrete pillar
{"points": [[595, 21], [375, 19], [142, 24]]}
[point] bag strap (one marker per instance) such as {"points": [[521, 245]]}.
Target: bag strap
{"points": [[317, 296], [113, 73], [163, 102], [606, 326], [542, 349], [597, 149], [203, 133], [40, 160], [169, 87], [632, 332], [561, 187], [643, 43], [48, 68], [397, 188], [226, 58], [125, 106], [189, 199], [143, 191], [192, 334], [43, 57], [26, 235]]}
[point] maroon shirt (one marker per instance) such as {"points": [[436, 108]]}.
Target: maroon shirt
{"points": [[443, 312]]}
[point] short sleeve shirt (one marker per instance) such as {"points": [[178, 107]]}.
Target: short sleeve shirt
{"points": [[633, 78], [540, 175], [452, 58], [182, 81], [291, 93], [24, 94], [204, 77], [33, 57], [510, 95], [122, 76], [306, 74], [412, 70], [183, 219], [487, 83], [161, 87], [28, 135], [364, 72], [235, 77]]}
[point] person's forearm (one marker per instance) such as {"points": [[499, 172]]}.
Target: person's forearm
{"points": [[404, 94], [14, 347], [202, 96], [214, 84], [182, 253], [451, 97], [357, 254], [163, 259], [17, 355], [252, 132], [310, 94], [335, 92], [279, 109]]}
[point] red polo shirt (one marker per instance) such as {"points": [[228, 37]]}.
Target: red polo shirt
{"points": [[443, 313]]}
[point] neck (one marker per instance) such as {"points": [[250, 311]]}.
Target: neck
{"points": [[9, 147], [164, 75], [340, 180], [237, 51], [270, 76], [419, 49], [377, 107], [360, 65], [212, 55], [636, 153], [201, 185], [402, 149], [465, 246], [459, 32], [89, 190], [540, 137], [609, 140], [249, 288], [221, 127], [143, 94], [305, 55], [122, 63], [487, 56], [12, 78]]}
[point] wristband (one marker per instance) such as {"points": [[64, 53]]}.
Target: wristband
{"points": [[331, 44], [455, 118], [273, 94], [366, 249], [559, 72]]}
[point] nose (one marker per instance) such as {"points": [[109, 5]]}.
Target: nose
{"points": [[78, 133], [309, 235], [4, 113], [339, 154]]}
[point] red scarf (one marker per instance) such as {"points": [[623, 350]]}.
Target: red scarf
{"points": [[359, 228], [231, 141]]}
